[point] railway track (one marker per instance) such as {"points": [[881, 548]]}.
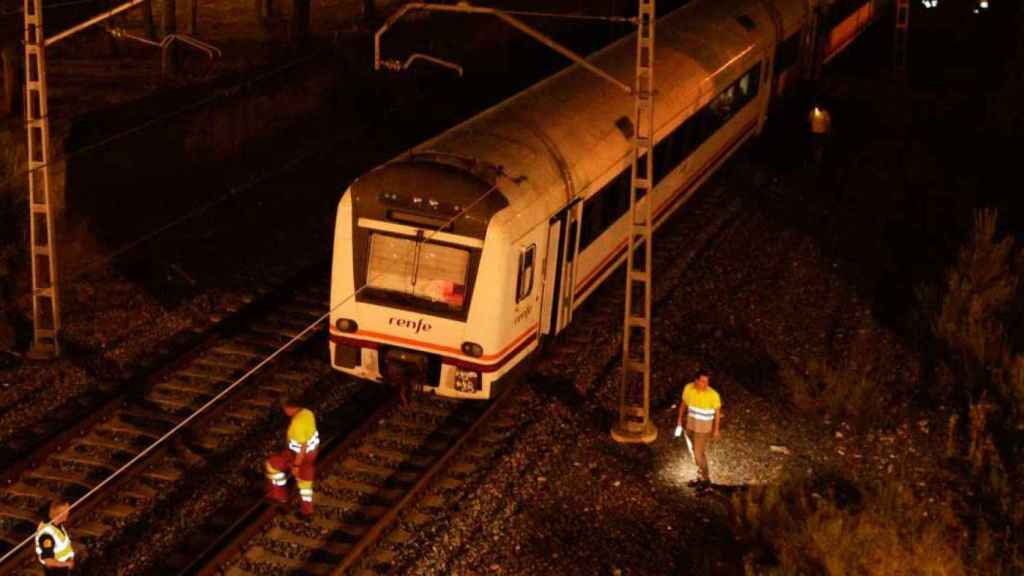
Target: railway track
{"points": [[364, 483], [73, 463]]}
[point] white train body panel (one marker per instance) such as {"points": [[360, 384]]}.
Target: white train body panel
{"points": [[471, 247]]}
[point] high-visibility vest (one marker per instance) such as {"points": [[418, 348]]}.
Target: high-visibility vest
{"points": [[302, 432], [701, 407], [62, 550]]}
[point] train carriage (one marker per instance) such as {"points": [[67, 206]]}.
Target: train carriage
{"points": [[452, 261]]}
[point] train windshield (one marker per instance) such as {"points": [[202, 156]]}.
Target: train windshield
{"points": [[418, 273]]}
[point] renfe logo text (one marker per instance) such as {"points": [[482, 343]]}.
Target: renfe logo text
{"points": [[416, 326]]}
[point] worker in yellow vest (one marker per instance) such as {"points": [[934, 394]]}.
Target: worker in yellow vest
{"points": [[703, 408], [53, 545], [299, 457]]}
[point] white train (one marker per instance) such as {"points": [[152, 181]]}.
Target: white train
{"points": [[464, 252]]}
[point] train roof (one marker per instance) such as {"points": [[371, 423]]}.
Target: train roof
{"points": [[396, 191], [561, 136]]}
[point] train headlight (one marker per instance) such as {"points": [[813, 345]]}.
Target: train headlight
{"points": [[346, 325], [472, 349], [467, 380]]}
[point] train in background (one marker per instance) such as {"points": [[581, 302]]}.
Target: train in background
{"points": [[453, 261]]}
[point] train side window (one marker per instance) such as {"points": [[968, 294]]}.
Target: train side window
{"points": [[666, 157], [624, 188], [524, 284], [593, 218]]}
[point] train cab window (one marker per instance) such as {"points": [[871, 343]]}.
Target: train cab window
{"points": [[418, 273], [524, 284]]}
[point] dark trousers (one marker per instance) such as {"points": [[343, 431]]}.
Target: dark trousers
{"points": [[56, 571]]}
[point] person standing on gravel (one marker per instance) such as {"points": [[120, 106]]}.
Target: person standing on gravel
{"points": [[703, 408], [53, 545], [299, 457]]}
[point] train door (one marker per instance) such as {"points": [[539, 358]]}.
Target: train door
{"points": [[559, 273]]}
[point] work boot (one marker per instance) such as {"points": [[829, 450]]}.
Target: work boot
{"points": [[276, 493], [307, 509]]}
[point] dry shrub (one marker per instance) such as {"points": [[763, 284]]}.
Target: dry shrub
{"points": [[839, 391], [979, 289], [799, 526], [974, 321]]}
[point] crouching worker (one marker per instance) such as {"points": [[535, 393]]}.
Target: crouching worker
{"points": [[53, 545], [299, 457]]}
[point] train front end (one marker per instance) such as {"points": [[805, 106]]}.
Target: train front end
{"points": [[408, 292]]}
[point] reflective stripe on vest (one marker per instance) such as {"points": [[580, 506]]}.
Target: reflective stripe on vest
{"points": [[62, 550], [703, 414], [310, 445]]}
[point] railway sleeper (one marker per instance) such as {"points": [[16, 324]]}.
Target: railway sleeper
{"points": [[223, 429], [92, 528], [15, 513], [354, 465], [282, 333], [144, 420], [282, 319], [438, 409], [434, 501], [260, 344], [84, 460], [140, 491], [235, 349], [27, 490], [261, 555], [450, 483], [225, 362], [62, 476], [170, 396], [261, 401], [118, 427], [353, 486], [172, 406], [118, 511], [112, 442], [387, 436], [377, 454], [248, 414], [203, 376], [186, 387], [166, 472], [340, 505], [312, 312], [290, 376], [464, 469], [398, 537]]}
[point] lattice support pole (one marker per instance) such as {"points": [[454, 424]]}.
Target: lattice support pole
{"points": [[42, 236], [634, 423]]}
